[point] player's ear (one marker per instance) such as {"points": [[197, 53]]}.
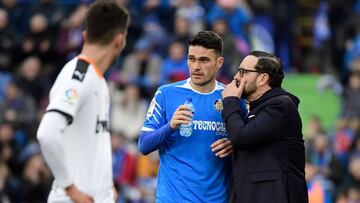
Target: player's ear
{"points": [[120, 40], [84, 35], [220, 61], [264, 78]]}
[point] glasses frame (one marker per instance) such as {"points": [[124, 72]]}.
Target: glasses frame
{"points": [[242, 71]]}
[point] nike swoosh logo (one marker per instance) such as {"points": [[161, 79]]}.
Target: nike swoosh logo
{"points": [[251, 116]]}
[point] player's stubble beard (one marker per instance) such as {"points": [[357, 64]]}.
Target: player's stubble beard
{"points": [[204, 83], [249, 89]]}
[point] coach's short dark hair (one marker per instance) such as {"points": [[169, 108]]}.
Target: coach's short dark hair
{"points": [[209, 40], [270, 64], [104, 19]]}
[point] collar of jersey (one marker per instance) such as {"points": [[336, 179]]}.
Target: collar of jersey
{"points": [[92, 62], [188, 86]]}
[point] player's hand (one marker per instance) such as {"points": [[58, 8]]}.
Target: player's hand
{"points": [[235, 88], [77, 196], [182, 115], [222, 147]]}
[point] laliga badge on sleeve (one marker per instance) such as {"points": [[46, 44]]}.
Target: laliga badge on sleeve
{"points": [[71, 95], [218, 105]]}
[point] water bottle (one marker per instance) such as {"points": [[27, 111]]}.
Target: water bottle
{"points": [[186, 129]]}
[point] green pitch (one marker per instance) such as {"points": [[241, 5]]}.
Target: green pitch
{"points": [[325, 104]]}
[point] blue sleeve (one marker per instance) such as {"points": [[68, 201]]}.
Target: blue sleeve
{"points": [[150, 141], [156, 127], [155, 116], [244, 108]]}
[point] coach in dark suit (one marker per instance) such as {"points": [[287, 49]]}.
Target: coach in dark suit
{"points": [[268, 159]]}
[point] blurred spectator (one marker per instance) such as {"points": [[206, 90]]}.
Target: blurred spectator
{"points": [[355, 148], [5, 79], [321, 156], [37, 41], [69, 39], [29, 79], [321, 38], [156, 36], [124, 163], [351, 184], [352, 49], [36, 180], [262, 30], [284, 21], [159, 12], [174, 67], [193, 13], [136, 26], [8, 148], [306, 58], [18, 15], [351, 93], [4, 175], [343, 22], [237, 16], [142, 67], [53, 12], [181, 30], [146, 170], [342, 141], [232, 57], [8, 40], [17, 108], [315, 127], [127, 113], [319, 188]]}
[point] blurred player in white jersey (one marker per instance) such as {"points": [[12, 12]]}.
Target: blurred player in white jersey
{"points": [[74, 132]]}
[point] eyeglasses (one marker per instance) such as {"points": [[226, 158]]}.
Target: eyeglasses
{"points": [[242, 71]]}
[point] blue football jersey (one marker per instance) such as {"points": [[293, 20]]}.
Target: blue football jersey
{"points": [[189, 171]]}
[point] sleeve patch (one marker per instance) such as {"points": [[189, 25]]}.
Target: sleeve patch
{"points": [[80, 70]]}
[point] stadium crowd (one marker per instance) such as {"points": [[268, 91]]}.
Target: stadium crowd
{"points": [[311, 36]]}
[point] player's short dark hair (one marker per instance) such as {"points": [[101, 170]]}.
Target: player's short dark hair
{"points": [[209, 40], [104, 19], [270, 64]]}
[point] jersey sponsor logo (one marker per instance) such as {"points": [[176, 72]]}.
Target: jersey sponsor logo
{"points": [[71, 95], [218, 127], [102, 126]]}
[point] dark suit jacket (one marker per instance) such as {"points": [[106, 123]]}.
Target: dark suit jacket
{"points": [[269, 156]]}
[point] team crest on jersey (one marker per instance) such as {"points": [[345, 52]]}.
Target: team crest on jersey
{"points": [[218, 105], [71, 95]]}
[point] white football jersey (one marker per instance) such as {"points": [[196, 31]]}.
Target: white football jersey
{"points": [[80, 92]]}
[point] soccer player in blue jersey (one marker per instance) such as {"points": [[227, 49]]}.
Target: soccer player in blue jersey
{"points": [[193, 168]]}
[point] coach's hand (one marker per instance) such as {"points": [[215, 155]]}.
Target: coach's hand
{"points": [[77, 196], [182, 115], [234, 89], [222, 147]]}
